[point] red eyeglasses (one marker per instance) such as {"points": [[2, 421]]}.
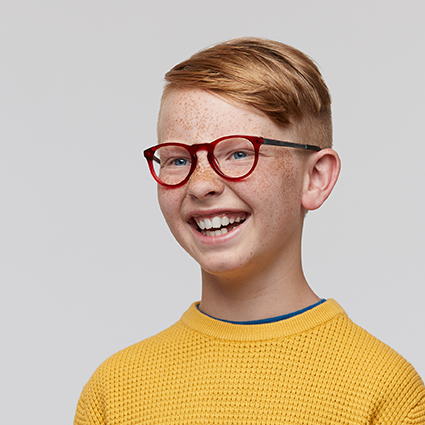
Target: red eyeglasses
{"points": [[231, 157]]}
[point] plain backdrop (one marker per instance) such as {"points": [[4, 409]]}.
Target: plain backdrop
{"points": [[87, 264]]}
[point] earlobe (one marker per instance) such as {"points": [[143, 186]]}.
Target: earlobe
{"points": [[321, 174]]}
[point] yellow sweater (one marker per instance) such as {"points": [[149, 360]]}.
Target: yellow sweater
{"points": [[314, 368]]}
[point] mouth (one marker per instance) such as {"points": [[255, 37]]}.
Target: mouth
{"points": [[219, 224]]}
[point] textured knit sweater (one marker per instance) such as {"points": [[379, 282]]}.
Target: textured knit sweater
{"points": [[315, 368]]}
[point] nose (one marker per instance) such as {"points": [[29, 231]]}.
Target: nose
{"points": [[204, 181]]}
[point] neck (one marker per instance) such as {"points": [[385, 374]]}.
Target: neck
{"points": [[246, 296]]}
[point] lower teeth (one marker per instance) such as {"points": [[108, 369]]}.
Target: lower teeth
{"points": [[217, 232]]}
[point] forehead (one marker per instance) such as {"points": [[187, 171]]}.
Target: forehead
{"points": [[197, 116]]}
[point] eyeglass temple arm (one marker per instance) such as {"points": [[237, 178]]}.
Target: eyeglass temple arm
{"points": [[291, 145]]}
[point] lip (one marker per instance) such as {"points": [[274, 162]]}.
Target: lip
{"points": [[216, 240]]}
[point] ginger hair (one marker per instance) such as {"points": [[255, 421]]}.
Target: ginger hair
{"points": [[274, 78]]}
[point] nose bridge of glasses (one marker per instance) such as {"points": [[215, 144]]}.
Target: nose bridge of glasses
{"points": [[204, 178], [205, 157], [193, 149]]}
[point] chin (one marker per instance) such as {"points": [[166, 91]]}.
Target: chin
{"points": [[225, 268]]}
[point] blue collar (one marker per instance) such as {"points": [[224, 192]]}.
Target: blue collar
{"points": [[271, 319]]}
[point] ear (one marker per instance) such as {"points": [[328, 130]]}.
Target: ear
{"points": [[320, 176]]}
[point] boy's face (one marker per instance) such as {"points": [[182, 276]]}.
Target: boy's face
{"points": [[266, 206]]}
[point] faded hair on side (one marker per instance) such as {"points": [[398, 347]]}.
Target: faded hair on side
{"points": [[272, 77]]}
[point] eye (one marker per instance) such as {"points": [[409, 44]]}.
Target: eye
{"points": [[239, 155], [179, 162], [170, 159]]}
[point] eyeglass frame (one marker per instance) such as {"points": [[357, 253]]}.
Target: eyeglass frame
{"points": [[257, 142]]}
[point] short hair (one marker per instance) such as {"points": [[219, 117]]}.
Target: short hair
{"points": [[276, 79]]}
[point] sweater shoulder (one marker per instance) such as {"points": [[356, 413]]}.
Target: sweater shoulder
{"points": [[145, 349], [359, 347], [368, 365], [116, 375]]}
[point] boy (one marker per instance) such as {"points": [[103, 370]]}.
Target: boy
{"points": [[244, 152]]}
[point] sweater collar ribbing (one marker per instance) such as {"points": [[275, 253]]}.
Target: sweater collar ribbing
{"points": [[206, 325]]}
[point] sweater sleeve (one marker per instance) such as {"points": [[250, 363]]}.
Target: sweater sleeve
{"points": [[403, 402], [80, 414], [91, 406], [417, 415]]}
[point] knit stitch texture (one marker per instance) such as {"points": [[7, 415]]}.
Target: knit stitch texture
{"points": [[316, 368]]}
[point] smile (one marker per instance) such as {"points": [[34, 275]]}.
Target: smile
{"points": [[219, 224]]}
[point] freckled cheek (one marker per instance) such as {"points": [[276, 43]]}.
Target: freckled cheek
{"points": [[169, 202], [280, 179], [276, 193]]}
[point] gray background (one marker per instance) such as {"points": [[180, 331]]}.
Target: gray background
{"points": [[87, 264]]}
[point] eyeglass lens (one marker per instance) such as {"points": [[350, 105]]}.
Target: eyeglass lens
{"points": [[235, 158]]}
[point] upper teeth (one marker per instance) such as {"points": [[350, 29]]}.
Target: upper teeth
{"points": [[217, 222]]}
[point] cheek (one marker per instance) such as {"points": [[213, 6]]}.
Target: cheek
{"points": [[281, 182], [277, 194], [169, 201]]}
